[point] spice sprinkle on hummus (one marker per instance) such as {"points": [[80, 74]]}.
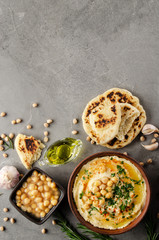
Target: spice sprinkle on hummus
{"points": [[109, 192]]}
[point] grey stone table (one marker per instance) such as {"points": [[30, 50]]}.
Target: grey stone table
{"points": [[61, 54]]}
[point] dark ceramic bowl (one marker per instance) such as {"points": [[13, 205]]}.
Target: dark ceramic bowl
{"points": [[73, 205], [26, 214]]}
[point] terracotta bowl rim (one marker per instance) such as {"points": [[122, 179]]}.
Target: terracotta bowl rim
{"points": [[89, 225]]}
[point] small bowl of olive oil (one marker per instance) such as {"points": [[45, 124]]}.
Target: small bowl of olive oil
{"points": [[62, 152]]}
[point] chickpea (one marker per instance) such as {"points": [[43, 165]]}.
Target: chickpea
{"points": [[23, 208], [41, 206], [35, 173], [40, 183], [29, 179], [102, 201], [54, 202], [42, 177], [41, 188], [85, 198], [46, 133], [23, 196], [46, 125], [89, 201], [53, 185], [3, 135], [105, 180], [6, 219], [5, 155], [35, 105], [11, 135], [34, 192], [43, 231], [5, 209], [98, 194], [97, 183], [109, 183], [46, 188], [48, 179], [29, 126], [29, 209], [37, 210], [46, 139], [109, 195], [131, 194], [56, 197], [95, 189], [26, 190], [12, 220], [86, 206], [50, 206], [102, 186], [2, 228], [1, 142], [13, 122], [114, 179], [19, 120], [25, 185], [103, 192], [38, 199], [109, 189], [47, 195], [46, 203], [95, 203], [18, 192], [26, 201], [49, 121], [19, 204], [33, 205], [35, 179], [47, 210]]}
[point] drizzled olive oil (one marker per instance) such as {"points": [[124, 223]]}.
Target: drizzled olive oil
{"points": [[62, 151]]}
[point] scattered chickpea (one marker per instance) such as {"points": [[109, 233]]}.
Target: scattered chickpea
{"points": [[6, 139], [141, 163], [5, 155], [11, 135], [53, 222], [3, 135], [142, 138], [125, 153], [5, 209], [75, 121], [35, 105], [153, 140], [1, 142], [109, 183], [46, 125], [92, 142], [29, 126], [158, 215], [156, 135], [5, 219], [114, 179], [1, 148], [108, 195], [149, 160], [2, 228], [49, 121], [97, 183], [88, 138], [74, 132], [12, 220], [46, 139], [3, 114], [46, 133], [19, 120], [13, 122], [43, 231]]}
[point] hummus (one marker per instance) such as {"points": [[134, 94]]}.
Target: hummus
{"points": [[109, 192]]}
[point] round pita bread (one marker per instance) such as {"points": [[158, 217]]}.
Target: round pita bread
{"points": [[101, 119]]}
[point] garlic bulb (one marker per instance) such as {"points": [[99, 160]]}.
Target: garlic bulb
{"points": [[9, 177]]}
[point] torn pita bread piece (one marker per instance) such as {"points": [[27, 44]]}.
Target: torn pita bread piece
{"points": [[29, 149]]}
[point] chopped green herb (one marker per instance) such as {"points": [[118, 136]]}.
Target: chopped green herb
{"points": [[81, 195], [107, 219], [84, 178], [122, 162], [111, 158], [121, 170], [136, 196], [122, 207], [113, 174]]}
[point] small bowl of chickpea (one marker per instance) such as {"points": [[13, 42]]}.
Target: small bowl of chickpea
{"points": [[37, 196]]}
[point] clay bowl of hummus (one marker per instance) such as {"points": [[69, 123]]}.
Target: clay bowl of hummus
{"points": [[109, 192]]}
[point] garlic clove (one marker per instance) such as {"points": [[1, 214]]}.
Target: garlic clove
{"points": [[149, 128], [151, 147]]}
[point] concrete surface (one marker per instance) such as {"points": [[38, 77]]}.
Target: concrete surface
{"points": [[61, 54]]}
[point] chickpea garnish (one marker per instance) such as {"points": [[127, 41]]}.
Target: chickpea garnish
{"points": [[108, 195], [46, 139], [53, 222], [46, 125], [125, 153], [5, 219], [6, 139], [102, 186], [1, 148], [93, 142], [5, 209], [142, 138], [11, 135], [3, 135], [74, 132], [12, 220], [5, 155], [88, 138], [2, 228], [1, 142], [141, 163], [156, 135], [109, 183], [3, 114], [46, 133], [153, 140], [49, 121], [75, 121], [18, 120], [149, 160], [43, 231], [114, 179], [13, 122], [35, 105], [97, 183], [103, 192], [29, 126]]}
